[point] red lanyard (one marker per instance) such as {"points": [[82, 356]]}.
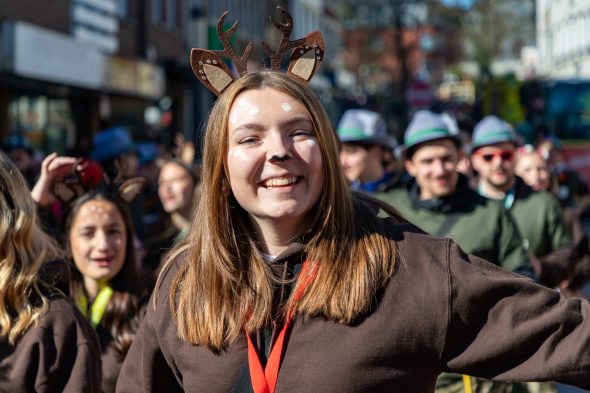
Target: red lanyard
{"points": [[265, 380]]}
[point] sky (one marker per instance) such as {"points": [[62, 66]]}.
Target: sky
{"points": [[462, 3]]}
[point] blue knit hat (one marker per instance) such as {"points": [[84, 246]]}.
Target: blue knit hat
{"points": [[427, 126], [363, 126], [111, 143], [147, 152], [491, 130]]}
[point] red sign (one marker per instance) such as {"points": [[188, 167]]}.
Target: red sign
{"points": [[420, 95]]}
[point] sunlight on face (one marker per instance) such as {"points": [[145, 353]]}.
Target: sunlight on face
{"points": [[434, 165], [175, 188], [533, 169], [267, 123], [98, 240]]}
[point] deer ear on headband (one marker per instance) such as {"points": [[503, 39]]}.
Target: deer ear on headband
{"points": [[131, 188], [87, 176], [211, 70], [307, 53]]}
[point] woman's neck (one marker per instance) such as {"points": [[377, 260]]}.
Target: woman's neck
{"points": [[93, 287], [278, 235]]}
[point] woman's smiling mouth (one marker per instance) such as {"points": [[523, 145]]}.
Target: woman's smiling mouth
{"points": [[280, 181]]}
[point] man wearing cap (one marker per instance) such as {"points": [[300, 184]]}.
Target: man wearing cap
{"points": [[439, 200], [537, 213], [365, 143]]}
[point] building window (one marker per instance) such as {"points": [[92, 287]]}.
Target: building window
{"points": [[122, 9], [157, 11], [171, 14]]}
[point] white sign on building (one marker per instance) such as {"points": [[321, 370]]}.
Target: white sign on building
{"points": [[95, 23], [33, 52]]}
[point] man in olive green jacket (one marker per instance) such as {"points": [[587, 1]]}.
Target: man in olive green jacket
{"points": [[439, 200], [537, 214]]}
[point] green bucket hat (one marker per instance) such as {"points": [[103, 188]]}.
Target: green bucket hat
{"points": [[364, 126], [426, 126], [491, 130]]}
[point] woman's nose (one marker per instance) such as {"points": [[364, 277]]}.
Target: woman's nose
{"points": [[279, 149], [101, 240]]}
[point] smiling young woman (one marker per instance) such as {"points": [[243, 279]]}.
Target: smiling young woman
{"points": [[288, 281], [106, 285], [242, 215]]}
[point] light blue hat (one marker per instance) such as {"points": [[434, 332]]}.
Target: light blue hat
{"points": [[363, 126], [490, 130], [426, 126]]}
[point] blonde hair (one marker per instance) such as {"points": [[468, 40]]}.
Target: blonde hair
{"points": [[224, 285], [24, 247]]}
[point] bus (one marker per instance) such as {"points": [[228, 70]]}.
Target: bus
{"points": [[567, 115]]}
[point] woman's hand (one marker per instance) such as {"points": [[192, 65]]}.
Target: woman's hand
{"points": [[53, 168]]}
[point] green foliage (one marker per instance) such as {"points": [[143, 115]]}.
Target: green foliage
{"points": [[501, 98]]}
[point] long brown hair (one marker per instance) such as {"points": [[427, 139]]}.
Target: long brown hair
{"points": [[24, 247], [122, 315], [224, 279]]}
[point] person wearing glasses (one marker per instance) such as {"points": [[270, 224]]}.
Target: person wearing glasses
{"points": [[537, 213], [440, 201]]}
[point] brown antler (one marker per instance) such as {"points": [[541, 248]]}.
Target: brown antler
{"points": [[228, 49], [285, 44]]}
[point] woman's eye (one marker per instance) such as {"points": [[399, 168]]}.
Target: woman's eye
{"points": [[115, 231], [248, 141], [302, 134]]}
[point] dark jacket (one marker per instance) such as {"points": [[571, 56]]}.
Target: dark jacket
{"points": [[442, 310], [59, 353], [480, 226], [539, 220]]}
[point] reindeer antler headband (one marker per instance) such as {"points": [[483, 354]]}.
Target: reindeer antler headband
{"points": [[211, 70]]}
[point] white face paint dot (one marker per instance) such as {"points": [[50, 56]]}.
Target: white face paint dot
{"points": [[286, 107], [238, 153], [253, 110], [311, 142], [233, 118]]}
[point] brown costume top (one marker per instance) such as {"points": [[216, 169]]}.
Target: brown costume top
{"points": [[442, 310], [59, 353]]}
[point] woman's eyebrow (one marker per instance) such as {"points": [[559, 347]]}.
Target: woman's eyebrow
{"points": [[297, 120], [287, 123], [249, 126]]}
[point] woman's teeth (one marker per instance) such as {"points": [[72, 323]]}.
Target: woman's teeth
{"points": [[280, 182]]}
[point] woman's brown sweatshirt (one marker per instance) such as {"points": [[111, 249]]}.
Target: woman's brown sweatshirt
{"points": [[442, 310]]}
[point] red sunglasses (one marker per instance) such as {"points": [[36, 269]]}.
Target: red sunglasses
{"points": [[505, 155]]}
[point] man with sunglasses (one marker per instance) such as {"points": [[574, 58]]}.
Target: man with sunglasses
{"points": [[537, 213]]}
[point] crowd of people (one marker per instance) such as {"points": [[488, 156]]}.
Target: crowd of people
{"points": [[299, 256], [474, 195]]}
